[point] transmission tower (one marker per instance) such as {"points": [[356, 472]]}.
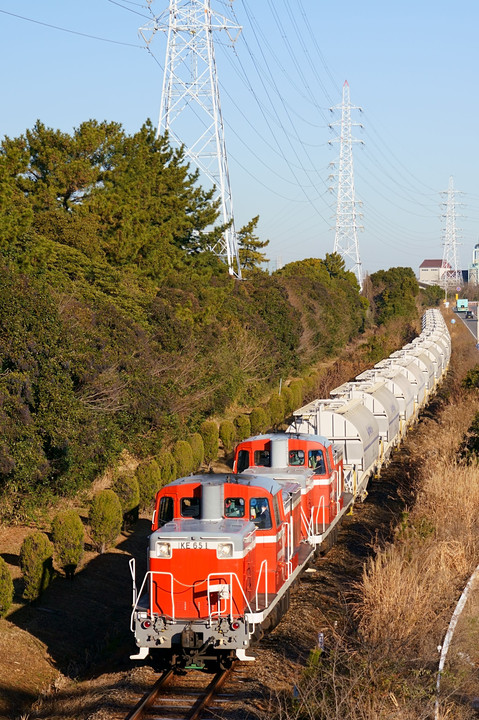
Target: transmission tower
{"points": [[190, 102], [452, 274], [346, 238]]}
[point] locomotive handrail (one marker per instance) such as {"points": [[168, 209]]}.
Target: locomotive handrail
{"points": [[263, 564], [232, 576], [147, 577], [132, 565], [316, 523]]}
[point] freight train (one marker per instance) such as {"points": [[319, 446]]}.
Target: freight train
{"points": [[226, 549]]}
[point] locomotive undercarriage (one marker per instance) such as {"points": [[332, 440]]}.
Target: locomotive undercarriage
{"points": [[201, 644]]}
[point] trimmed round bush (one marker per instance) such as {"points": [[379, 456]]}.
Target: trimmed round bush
{"points": [[68, 540], [105, 519], [183, 455], [243, 427], [167, 465], [6, 588], [148, 476], [276, 408], [210, 435], [227, 434], [287, 397], [258, 421], [198, 449], [297, 388], [267, 413], [36, 562], [128, 491]]}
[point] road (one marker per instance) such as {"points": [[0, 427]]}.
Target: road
{"points": [[473, 323]]}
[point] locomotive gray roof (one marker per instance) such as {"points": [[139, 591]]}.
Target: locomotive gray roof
{"points": [[252, 480], [300, 436]]}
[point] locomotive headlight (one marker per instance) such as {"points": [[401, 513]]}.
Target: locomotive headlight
{"points": [[163, 549], [224, 550]]}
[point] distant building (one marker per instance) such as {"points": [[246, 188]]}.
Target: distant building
{"points": [[431, 271], [474, 267]]}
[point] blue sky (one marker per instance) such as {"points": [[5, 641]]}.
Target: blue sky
{"points": [[412, 67]]}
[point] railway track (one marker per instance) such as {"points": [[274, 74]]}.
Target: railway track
{"points": [[166, 701]]}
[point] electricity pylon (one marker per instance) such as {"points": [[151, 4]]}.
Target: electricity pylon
{"points": [[452, 274], [346, 238], [190, 102]]}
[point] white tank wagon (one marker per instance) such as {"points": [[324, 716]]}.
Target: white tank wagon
{"points": [[413, 374], [424, 364], [354, 428], [384, 406], [400, 387], [433, 352]]}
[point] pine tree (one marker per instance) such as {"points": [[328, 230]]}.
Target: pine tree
{"points": [[250, 246]]}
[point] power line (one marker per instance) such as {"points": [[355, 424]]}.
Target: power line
{"points": [[72, 32]]}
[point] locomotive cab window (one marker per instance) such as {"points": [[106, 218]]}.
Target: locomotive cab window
{"points": [[190, 507], [243, 460], [165, 512], [234, 507], [316, 461], [262, 458], [260, 513], [296, 457]]}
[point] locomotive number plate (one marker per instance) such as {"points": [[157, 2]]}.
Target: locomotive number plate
{"points": [[193, 545]]}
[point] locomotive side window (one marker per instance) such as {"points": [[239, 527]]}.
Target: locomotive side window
{"points": [[190, 507], [234, 507], [262, 458], [260, 513], [243, 460], [165, 512], [276, 510], [296, 457], [316, 461]]}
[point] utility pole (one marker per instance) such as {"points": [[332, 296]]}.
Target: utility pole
{"points": [[346, 238], [190, 102], [452, 274]]}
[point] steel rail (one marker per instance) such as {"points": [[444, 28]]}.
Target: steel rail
{"points": [[215, 685], [149, 698]]}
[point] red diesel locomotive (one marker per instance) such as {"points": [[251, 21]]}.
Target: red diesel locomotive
{"points": [[225, 549]]}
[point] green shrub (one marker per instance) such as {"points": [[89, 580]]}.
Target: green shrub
{"points": [[198, 449], [36, 562], [68, 538], [287, 398], [243, 427], [6, 588], [183, 455], [257, 419], [227, 435], [276, 407], [210, 435], [149, 482], [267, 414], [105, 519], [128, 491], [297, 388], [167, 465]]}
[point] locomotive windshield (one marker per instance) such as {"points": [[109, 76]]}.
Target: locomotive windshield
{"points": [[316, 461], [234, 507], [260, 513], [165, 512], [190, 507]]}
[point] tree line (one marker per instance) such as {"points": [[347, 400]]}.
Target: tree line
{"points": [[119, 328]]}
